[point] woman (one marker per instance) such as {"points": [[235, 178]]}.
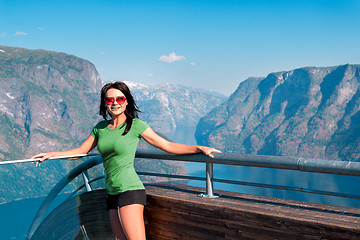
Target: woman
{"points": [[116, 140]]}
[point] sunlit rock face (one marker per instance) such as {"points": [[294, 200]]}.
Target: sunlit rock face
{"points": [[48, 101], [308, 112], [48, 97]]}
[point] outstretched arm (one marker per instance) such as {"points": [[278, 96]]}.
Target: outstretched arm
{"points": [[88, 145], [175, 148]]}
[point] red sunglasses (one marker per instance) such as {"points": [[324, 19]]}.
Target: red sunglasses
{"points": [[111, 100]]}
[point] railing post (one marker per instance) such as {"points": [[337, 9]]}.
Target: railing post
{"points": [[86, 181], [83, 230], [209, 182]]}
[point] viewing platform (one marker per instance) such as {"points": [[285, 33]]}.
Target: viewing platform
{"points": [[179, 211], [175, 211]]}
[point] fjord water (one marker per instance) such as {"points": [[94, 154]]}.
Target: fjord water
{"points": [[17, 216], [305, 180]]}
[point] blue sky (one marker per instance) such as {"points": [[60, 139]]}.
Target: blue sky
{"points": [[213, 44]]}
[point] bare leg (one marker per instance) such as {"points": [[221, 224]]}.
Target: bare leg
{"points": [[132, 217], [116, 224]]}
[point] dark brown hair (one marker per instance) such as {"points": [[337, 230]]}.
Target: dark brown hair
{"points": [[131, 111]]}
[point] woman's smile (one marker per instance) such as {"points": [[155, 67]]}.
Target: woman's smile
{"points": [[115, 107], [116, 110]]}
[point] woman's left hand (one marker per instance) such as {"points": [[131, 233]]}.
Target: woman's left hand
{"points": [[208, 151]]}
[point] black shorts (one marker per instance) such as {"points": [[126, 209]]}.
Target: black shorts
{"points": [[126, 198]]}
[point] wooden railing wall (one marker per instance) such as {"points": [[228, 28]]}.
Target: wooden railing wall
{"points": [[176, 212]]}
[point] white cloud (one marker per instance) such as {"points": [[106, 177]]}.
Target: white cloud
{"points": [[192, 63], [40, 28], [147, 75], [3, 34], [171, 58], [20, 34]]}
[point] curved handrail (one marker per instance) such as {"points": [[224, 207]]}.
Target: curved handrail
{"points": [[57, 189]]}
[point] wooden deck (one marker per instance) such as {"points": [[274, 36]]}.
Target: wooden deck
{"points": [[176, 212]]}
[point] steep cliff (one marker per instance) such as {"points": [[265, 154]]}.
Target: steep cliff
{"points": [[48, 101], [308, 112]]}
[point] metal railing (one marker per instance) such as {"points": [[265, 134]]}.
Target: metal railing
{"points": [[278, 162]]}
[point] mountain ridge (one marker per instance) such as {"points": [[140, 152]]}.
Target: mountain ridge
{"points": [[305, 112], [168, 106]]}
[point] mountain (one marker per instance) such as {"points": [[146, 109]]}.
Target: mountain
{"points": [[46, 99], [168, 106], [48, 102], [308, 112]]}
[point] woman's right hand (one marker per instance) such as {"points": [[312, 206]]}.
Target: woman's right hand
{"points": [[43, 157], [89, 144]]}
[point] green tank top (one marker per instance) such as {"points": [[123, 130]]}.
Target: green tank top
{"points": [[118, 153]]}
